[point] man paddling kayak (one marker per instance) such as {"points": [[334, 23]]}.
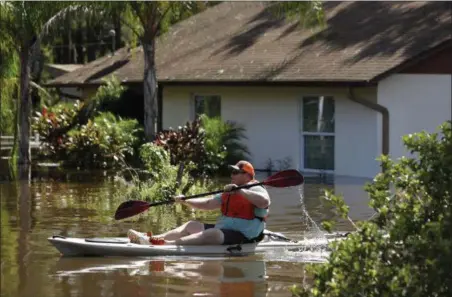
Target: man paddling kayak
{"points": [[242, 220]]}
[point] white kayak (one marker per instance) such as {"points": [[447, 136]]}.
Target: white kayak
{"points": [[121, 246]]}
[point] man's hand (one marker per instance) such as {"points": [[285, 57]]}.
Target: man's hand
{"points": [[178, 199], [230, 187]]}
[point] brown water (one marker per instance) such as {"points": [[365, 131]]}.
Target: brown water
{"points": [[82, 205]]}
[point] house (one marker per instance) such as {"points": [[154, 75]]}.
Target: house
{"points": [[56, 70], [328, 99]]}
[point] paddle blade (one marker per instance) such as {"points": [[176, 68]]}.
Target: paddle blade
{"points": [[286, 178], [130, 208]]}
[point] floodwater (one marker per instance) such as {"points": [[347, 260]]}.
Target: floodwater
{"points": [[82, 205]]}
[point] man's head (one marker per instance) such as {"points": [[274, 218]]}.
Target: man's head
{"points": [[242, 172]]}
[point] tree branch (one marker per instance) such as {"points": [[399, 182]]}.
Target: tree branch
{"points": [[137, 11], [123, 20]]}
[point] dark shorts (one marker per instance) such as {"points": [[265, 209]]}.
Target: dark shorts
{"points": [[230, 236]]}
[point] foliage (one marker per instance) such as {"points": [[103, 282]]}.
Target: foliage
{"points": [[308, 13], [166, 179], [224, 142], [103, 142], [52, 124], [154, 159], [9, 70], [406, 249], [187, 143], [209, 143], [80, 135]]}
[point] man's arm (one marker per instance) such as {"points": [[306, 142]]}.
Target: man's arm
{"points": [[209, 203], [257, 195]]}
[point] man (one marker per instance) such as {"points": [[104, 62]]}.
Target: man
{"points": [[242, 220]]}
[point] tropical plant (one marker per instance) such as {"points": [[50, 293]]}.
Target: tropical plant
{"points": [[9, 69], [187, 144], [224, 143], [107, 95], [166, 179], [53, 123], [80, 135], [103, 142], [405, 250]]}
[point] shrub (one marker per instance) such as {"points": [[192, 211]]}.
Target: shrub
{"points": [[104, 100], [53, 124], [166, 179], [406, 249], [103, 142], [81, 135], [187, 144], [224, 143]]}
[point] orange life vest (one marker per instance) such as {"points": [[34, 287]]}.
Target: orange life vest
{"points": [[236, 205]]}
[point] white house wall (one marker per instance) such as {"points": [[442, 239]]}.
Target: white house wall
{"points": [[271, 116], [416, 102]]}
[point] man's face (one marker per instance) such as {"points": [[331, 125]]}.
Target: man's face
{"points": [[239, 177]]}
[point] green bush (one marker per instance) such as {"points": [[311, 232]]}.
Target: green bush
{"points": [[81, 135], [104, 100], [187, 144], [52, 124], [406, 250], [224, 143], [104, 142], [166, 179]]}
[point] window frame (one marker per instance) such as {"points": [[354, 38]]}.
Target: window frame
{"points": [[193, 102], [302, 133]]}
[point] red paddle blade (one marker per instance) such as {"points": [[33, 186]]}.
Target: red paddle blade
{"points": [[130, 208], [286, 178]]}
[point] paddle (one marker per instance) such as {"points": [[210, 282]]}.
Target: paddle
{"points": [[282, 179]]}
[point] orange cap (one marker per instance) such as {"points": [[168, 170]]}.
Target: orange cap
{"points": [[244, 166]]}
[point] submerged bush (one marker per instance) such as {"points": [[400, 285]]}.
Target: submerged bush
{"points": [[166, 179], [406, 250]]}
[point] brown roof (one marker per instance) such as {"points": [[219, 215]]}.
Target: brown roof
{"points": [[243, 41]]}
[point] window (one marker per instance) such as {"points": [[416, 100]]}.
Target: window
{"points": [[208, 105], [318, 132]]}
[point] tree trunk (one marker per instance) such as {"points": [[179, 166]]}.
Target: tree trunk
{"points": [[79, 41], [69, 35], [117, 28], [24, 106], [150, 92], [36, 68], [90, 39]]}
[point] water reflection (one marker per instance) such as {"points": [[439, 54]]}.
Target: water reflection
{"points": [[83, 206], [188, 278]]}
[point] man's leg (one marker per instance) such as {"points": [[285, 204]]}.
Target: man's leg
{"points": [[210, 236], [189, 228]]}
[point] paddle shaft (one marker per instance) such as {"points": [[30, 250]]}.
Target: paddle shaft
{"points": [[211, 193]]}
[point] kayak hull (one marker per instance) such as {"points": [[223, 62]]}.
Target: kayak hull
{"points": [[120, 246]]}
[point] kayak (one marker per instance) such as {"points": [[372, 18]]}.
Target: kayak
{"points": [[121, 246]]}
